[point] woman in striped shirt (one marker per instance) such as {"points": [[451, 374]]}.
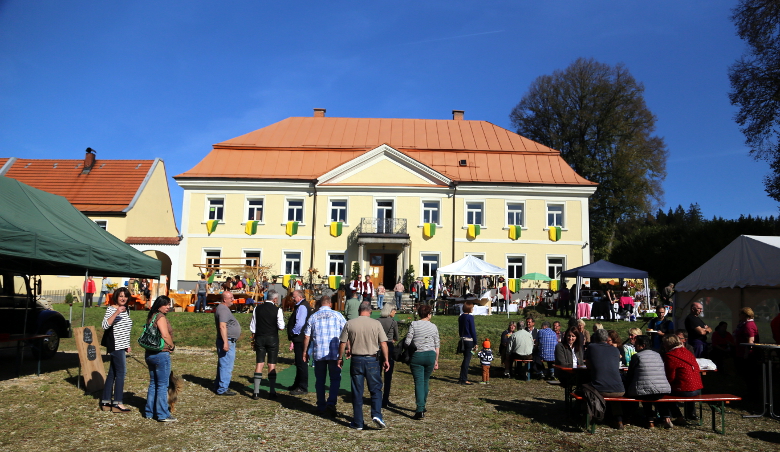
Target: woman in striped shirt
{"points": [[116, 325], [425, 336]]}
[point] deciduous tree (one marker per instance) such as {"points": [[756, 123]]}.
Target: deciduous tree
{"points": [[595, 114], [755, 84]]}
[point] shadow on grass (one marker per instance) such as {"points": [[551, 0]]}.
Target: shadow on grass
{"points": [[770, 437], [9, 363], [551, 412]]}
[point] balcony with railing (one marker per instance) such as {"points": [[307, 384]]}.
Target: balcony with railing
{"points": [[380, 228]]}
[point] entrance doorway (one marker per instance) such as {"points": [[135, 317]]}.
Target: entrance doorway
{"points": [[384, 268]]}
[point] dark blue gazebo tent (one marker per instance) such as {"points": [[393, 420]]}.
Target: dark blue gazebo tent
{"points": [[604, 269]]}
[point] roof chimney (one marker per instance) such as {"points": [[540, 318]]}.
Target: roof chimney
{"points": [[319, 112], [89, 161], [457, 115]]}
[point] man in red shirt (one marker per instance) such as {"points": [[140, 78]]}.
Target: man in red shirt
{"points": [[507, 295]]}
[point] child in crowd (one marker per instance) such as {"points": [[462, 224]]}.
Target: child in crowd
{"points": [[485, 357]]}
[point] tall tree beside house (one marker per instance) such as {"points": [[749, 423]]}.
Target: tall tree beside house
{"points": [[755, 84], [595, 114]]}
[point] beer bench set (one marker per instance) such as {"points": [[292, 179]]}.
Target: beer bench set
{"points": [[716, 402]]}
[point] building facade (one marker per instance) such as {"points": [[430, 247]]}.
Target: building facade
{"points": [[385, 193], [128, 198]]}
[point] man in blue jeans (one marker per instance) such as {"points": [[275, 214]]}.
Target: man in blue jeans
{"points": [[365, 337], [228, 332], [323, 329]]}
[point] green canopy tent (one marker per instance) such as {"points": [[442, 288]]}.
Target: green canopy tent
{"points": [[43, 234]]}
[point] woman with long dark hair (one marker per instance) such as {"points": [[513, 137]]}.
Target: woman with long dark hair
{"points": [[569, 353], [159, 363], [116, 331]]}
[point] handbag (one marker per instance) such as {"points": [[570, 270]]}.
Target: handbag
{"points": [[404, 352], [151, 339], [108, 339]]}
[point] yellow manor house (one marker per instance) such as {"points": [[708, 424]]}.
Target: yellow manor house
{"points": [[320, 192]]}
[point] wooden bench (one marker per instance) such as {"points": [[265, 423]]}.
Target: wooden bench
{"points": [[527, 363], [716, 403]]}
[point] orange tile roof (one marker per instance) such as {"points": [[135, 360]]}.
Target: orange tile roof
{"points": [[306, 148], [109, 187]]}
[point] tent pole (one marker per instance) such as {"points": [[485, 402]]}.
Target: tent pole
{"points": [[83, 299]]}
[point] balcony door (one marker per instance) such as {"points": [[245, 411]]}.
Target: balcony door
{"points": [[384, 217]]}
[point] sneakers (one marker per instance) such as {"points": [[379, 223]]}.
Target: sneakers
{"points": [[168, 419], [298, 392], [354, 426], [227, 393], [255, 396], [380, 424]]}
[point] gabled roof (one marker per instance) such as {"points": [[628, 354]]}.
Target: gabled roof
{"points": [[748, 261], [111, 186], [604, 269], [306, 148]]}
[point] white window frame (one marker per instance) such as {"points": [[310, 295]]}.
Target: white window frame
{"points": [[506, 213], [429, 253], [247, 199], [207, 208], [328, 254], [515, 256], [204, 254], [466, 211], [330, 210], [284, 261], [423, 209], [562, 205], [286, 213], [104, 224], [378, 199], [252, 250], [556, 256]]}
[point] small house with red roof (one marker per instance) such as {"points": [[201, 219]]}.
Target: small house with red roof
{"points": [[128, 198]]}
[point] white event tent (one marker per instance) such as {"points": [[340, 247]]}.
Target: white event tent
{"points": [[746, 273], [468, 266]]}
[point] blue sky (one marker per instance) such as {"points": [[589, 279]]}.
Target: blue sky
{"points": [[146, 79]]}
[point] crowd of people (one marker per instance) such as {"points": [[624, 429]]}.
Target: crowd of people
{"points": [[663, 361]]}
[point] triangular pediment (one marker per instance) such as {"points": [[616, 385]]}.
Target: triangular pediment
{"points": [[383, 164]]}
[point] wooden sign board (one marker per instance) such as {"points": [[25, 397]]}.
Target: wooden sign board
{"points": [[90, 358]]}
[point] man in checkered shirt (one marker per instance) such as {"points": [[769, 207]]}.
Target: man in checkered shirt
{"points": [[547, 340], [323, 330]]}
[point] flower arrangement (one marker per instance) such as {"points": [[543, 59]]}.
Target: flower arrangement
{"points": [[112, 286]]}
